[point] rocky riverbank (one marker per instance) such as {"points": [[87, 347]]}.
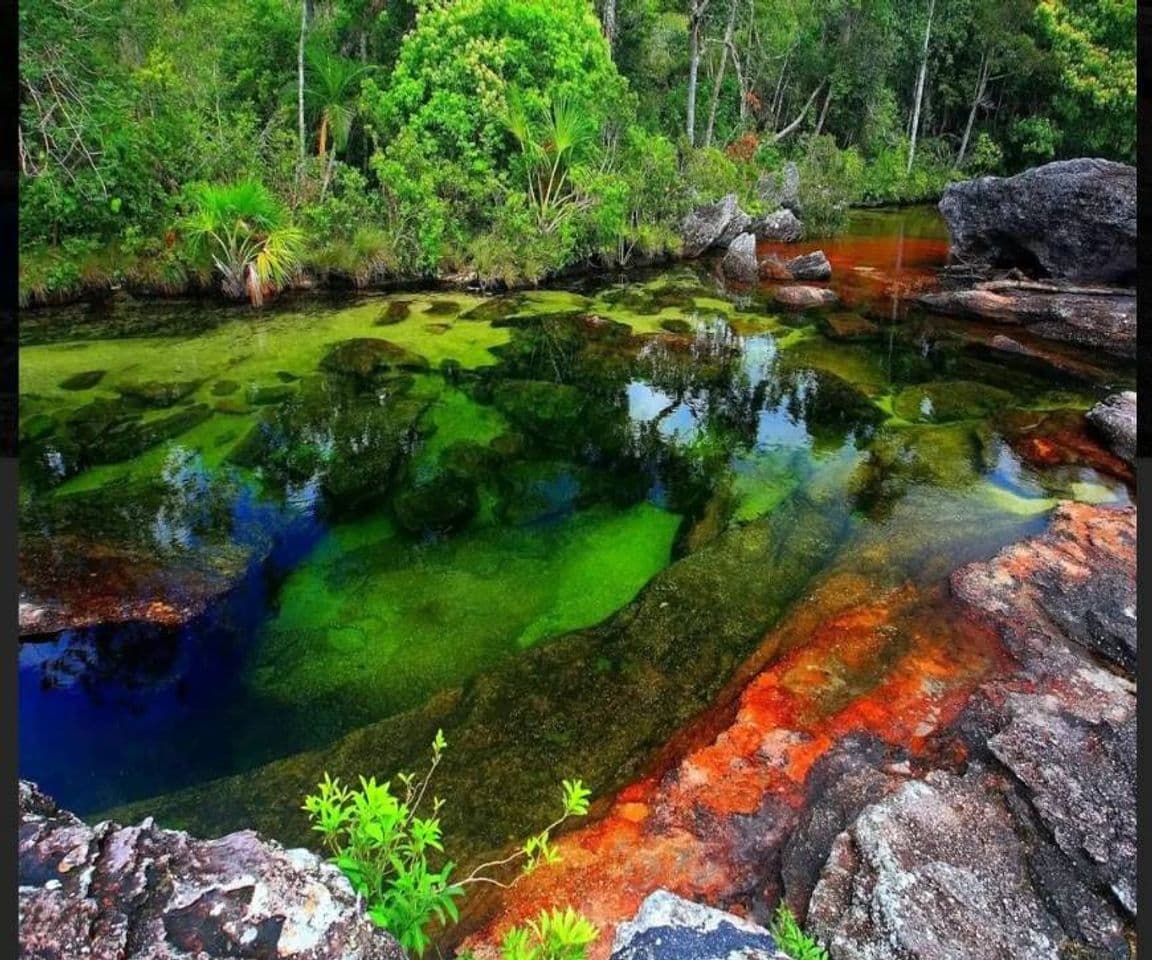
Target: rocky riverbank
{"points": [[1051, 250], [976, 798]]}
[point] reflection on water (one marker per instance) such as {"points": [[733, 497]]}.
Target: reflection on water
{"points": [[553, 523]]}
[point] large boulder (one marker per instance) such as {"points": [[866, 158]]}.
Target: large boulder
{"points": [[1115, 420], [142, 893], [779, 227], [739, 262], [668, 927], [713, 225], [1073, 219]]}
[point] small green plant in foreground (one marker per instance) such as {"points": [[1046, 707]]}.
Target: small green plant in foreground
{"points": [[791, 939], [391, 856], [553, 935]]}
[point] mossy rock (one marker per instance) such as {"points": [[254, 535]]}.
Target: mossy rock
{"points": [[224, 388], [37, 427], [268, 395], [442, 308], [284, 376], [367, 357], [130, 438], [675, 325], [495, 308], [396, 312], [443, 503], [538, 406], [158, 393], [945, 402], [82, 381]]}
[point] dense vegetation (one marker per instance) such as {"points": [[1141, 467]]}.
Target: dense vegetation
{"points": [[229, 141]]}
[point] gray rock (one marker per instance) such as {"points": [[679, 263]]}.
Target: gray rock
{"points": [[1074, 586], [668, 927], [1115, 420], [779, 227], [716, 224], [810, 266], [1073, 218], [782, 188], [1079, 773], [739, 262], [1090, 320], [840, 785], [142, 893], [934, 872]]}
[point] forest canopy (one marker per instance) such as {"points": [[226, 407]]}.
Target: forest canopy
{"points": [[514, 138]]}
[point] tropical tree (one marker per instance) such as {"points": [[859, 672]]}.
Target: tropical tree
{"points": [[244, 229]]}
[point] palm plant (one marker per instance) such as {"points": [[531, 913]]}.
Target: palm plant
{"points": [[331, 91], [551, 149], [245, 231]]}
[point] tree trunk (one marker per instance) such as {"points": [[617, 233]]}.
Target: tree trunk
{"points": [[981, 84], [824, 111], [719, 81], [920, 86], [300, 75], [696, 19], [609, 23], [322, 140], [800, 116], [778, 97]]}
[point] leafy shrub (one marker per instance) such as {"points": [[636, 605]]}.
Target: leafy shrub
{"points": [[791, 939], [830, 181], [1035, 140], [387, 850]]}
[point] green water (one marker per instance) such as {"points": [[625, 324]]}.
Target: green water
{"points": [[552, 523]]}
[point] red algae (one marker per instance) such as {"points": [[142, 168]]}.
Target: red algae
{"points": [[897, 665], [877, 273]]}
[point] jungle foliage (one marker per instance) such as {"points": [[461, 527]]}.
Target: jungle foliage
{"points": [[515, 138]]}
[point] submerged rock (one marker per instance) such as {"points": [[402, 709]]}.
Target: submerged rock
{"points": [[441, 504], [1104, 319], [1115, 419], [153, 894], [1073, 218], [82, 381], [810, 266], [365, 357], [668, 927], [739, 262], [805, 298], [158, 393], [779, 227], [713, 225]]}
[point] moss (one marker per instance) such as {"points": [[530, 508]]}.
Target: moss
{"points": [[384, 625], [941, 402]]}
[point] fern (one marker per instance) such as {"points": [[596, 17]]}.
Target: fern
{"points": [[791, 939]]}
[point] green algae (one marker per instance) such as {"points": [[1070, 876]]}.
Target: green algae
{"points": [[385, 623]]}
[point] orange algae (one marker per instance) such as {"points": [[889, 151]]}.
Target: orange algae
{"points": [[899, 665]]}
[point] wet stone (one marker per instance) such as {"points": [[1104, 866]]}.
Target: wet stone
{"points": [[265, 395], [948, 401], [364, 357], [444, 503], [82, 381], [395, 312], [848, 326], [157, 393]]}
